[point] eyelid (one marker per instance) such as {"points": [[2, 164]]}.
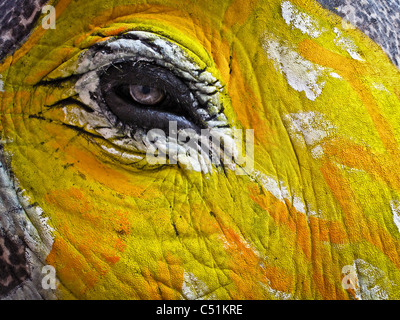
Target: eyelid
{"points": [[149, 47]]}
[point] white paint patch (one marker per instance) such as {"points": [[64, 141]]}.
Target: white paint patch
{"points": [[90, 82], [195, 289], [233, 245], [317, 152], [1, 85], [111, 150], [301, 74], [348, 169], [395, 206], [270, 184], [277, 294], [74, 115], [319, 214], [380, 87], [280, 191], [310, 127], [371, 282], [131, 157], [335, 75], [300, 20], [347, 44], [38, 232], [299, 204]]}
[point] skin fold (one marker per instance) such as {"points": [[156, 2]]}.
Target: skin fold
{"points": [[323, 101]]}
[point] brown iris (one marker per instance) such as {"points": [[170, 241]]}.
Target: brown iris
{"points": [[146, 95]]}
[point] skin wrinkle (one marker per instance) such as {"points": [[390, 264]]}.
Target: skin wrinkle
{"points": [[202, 237], [220, 268]]}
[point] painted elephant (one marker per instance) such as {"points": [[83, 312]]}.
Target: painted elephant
{"points": [[228, 149]]}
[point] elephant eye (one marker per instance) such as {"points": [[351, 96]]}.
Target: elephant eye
{"points": [[138, 81], [144, 95]]}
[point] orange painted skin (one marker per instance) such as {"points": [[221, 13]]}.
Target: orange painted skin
{"points": [[323, 193]]}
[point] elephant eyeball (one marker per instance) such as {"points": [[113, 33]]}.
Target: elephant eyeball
{"points": [[146, 95]]}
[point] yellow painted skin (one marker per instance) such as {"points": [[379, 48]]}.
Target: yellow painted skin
{"points": [[121, 232]]}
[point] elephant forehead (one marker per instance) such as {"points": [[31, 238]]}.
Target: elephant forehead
{"points": [[317, 190]]}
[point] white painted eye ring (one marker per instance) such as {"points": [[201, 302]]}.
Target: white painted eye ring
{"points": [[146, 95]]}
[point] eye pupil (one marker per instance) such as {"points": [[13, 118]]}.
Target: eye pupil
{"points": [[146, 95], [146, 90]]}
